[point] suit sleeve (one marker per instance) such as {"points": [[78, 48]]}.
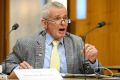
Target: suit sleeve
{"points": [[13, 59]]}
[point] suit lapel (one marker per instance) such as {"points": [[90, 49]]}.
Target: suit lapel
{"points": [[40, 51], [69, 54]]}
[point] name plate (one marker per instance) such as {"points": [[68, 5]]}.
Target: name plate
{"points": [[38, 74], [0, 68]]}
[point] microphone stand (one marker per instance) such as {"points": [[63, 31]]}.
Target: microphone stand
{"points": [[85, 62], [14, 27]]}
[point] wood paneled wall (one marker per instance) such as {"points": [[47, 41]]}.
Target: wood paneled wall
{"points": [[106, 39], [4, 27], [1, 29], [114, 32]]}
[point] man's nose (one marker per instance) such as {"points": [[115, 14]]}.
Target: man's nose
{"points": [[63, 21]]}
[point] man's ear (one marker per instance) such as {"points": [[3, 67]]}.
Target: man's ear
{"points": [[44, 23]]}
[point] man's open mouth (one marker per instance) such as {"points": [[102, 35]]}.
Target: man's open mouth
{"points": [[62, 29]]}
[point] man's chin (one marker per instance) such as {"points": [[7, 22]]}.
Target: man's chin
{"points": [[61, 36]]}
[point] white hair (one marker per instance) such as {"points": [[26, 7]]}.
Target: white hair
{"points": [[45, 10]]}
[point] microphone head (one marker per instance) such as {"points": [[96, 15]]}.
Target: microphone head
{"points": [[101, 24], [15, 26]]}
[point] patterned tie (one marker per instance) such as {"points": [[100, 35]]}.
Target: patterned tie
{"points": [[55, 60]]}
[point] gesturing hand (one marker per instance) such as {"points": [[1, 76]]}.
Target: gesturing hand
{"points": [[90, 52]]}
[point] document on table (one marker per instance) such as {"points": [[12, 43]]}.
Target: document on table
{"points": [[38, 74]]}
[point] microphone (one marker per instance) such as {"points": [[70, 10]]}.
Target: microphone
{"points": [[14, 27], [85, 62], [101, 24]]}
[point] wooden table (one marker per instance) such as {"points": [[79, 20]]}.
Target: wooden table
{"points": [[114, 68]]}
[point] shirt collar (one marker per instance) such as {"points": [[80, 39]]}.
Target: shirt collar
{"points": [[49, 39]]}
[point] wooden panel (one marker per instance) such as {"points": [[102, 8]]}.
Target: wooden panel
{"points": [[7, 22], [72, 9], [114, 32], [1, 29], [71, 13], [4, 20]]}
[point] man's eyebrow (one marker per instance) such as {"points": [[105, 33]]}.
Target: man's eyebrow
{"points": [[58, 16]]}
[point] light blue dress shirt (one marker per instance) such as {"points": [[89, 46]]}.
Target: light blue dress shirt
{"points": [[48, 52]]}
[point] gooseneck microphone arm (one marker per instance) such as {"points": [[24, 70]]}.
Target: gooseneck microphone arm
{"points": [[85, 62], [99, 25], [14, 27]]}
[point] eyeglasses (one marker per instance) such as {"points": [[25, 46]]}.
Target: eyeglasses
{"points": [[59, 20]]}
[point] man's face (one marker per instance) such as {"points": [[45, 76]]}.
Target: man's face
{"points": [[56, 23]]}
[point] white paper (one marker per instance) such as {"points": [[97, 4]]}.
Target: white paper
{"points": [[38, 74], [0, 68]]}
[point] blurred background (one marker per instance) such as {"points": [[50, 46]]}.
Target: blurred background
{"points": [[85, 14]]}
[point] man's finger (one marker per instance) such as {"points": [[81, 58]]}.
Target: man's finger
{"points": [[25, 65]]}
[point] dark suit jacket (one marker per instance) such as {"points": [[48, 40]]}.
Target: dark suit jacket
{"points": [[32, 50]]}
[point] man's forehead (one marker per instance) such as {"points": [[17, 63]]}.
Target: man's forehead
{"points": [[53, 11]]}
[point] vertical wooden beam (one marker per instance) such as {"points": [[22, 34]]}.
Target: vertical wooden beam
{"points": [[1, 29], [4, 22]]}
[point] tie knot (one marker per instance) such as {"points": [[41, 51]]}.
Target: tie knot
{"points": [[55, 42]]}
